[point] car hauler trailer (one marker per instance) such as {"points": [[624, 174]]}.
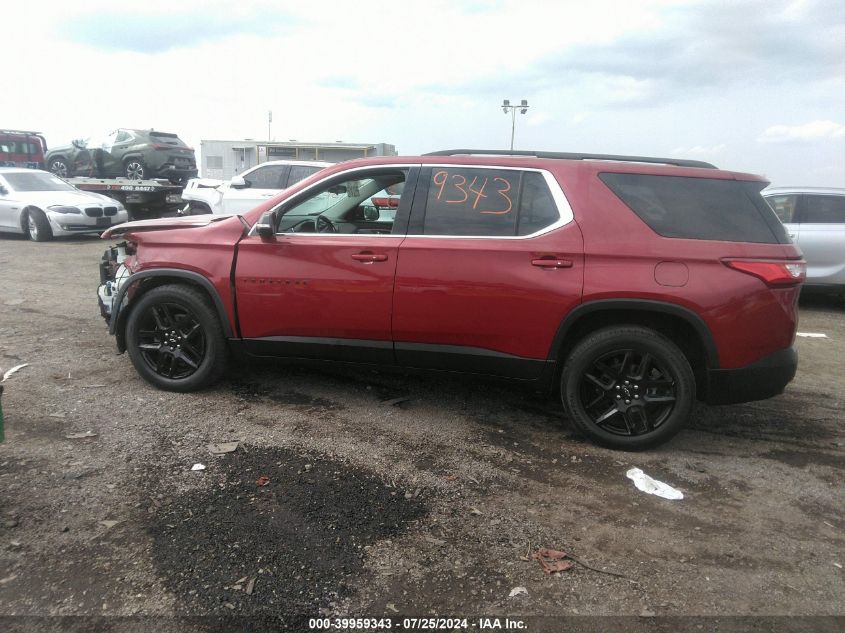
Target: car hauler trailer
{"points": [[142, 198]]}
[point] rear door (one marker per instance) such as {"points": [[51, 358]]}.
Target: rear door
{"points": [[492, 263]]}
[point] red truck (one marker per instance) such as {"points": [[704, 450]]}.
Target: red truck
{"points": [[19, 148]]}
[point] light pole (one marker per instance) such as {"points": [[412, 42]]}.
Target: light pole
{"points": [[269, 121], [507, 107]]}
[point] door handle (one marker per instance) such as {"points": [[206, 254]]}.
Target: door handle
{"points": [[552, 263], [369, 258]]}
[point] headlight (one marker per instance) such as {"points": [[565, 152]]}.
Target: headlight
{"points": [[62, 209]]}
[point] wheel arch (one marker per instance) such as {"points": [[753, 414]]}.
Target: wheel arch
{"points": [[145, 281], [25, 212], [681, 325], [136, 156]]}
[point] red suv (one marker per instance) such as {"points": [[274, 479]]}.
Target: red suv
{"points": [[633, 285]]}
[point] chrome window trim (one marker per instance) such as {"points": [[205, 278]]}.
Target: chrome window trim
{"points": [[326, 179], [561, 202], [560, 199]]}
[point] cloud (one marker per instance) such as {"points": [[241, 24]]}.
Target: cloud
{"points": [[811, 131], [700, 150], [150, 32], [695, 49]]}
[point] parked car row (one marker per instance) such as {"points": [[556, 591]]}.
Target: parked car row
{"points": [[632, 286]]}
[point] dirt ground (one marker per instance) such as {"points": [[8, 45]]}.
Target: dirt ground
{"points": [[373, 508]]}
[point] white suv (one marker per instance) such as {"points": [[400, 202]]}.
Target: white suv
{"points": [[814, 217], [246, 190]]}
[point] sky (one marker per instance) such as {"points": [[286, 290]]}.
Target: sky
{"points": [[755, 86]]}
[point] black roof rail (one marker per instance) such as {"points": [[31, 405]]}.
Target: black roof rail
{"points": [[574, 156]]}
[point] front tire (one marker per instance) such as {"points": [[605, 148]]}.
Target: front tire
{"points": [[628, 387], [175, 339], [36, 226]]}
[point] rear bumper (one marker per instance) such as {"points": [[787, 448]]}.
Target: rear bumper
{"points": [[760, 380], [169, 170]]}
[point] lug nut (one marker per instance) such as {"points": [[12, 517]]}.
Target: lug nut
{"points": [[636, 387], [618, 397], [627, 402], [636, 396]]}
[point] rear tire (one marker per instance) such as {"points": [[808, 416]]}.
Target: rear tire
{"points": [[36, 226], [628, 387], [59, 167], [175, 339], [134, 169]]}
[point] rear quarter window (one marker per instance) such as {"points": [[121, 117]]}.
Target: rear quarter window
{"points": [[699, 208]]}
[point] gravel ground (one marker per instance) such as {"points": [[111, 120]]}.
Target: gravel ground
{"points": [[376, 508]]}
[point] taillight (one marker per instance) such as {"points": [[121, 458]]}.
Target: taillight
{"points": [[774, 273]]}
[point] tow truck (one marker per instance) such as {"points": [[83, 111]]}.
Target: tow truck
{"points": [[144, 199]]}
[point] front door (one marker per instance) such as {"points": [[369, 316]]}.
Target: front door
{"points": [[9, 207], [322, 287]]}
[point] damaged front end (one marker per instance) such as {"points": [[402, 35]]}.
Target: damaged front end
{"points": [[113, 276]]}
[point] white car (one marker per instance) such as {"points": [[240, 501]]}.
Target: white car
{"points": [[247, 190], [41, 205], [814, 217]]}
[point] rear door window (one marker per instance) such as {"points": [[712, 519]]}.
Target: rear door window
{"points": [[699, 208], [819, 209], [487, 202], [301, 172]]}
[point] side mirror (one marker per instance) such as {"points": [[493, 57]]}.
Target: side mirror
{"points": [[371, 214], [266, 225], [3, 190], [238, 182], [78, 143]]}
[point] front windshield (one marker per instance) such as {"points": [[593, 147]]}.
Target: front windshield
{"points": [[36, 181]]}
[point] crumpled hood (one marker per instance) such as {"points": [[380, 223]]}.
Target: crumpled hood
{"points": [[163, 224]]}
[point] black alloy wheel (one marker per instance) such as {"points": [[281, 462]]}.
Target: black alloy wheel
{"points": [[171, 340], [628, 387], [628, 392], [174, 338]]}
